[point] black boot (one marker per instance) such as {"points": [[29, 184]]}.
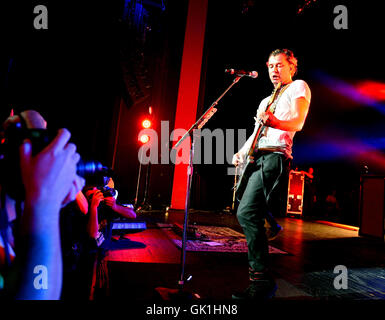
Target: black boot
{"points": [[262, 287]]}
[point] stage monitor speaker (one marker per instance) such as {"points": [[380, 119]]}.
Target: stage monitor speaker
{"points": [[372, 206]]}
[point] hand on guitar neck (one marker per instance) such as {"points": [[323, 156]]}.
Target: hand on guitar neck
{"points": [[266, 118]]}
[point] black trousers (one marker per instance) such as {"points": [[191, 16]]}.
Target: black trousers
{"points": [[266, 191]]}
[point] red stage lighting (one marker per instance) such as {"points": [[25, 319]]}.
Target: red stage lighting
{"points": [[144, 138], [146, 124], [372, 89], [144, 135]]}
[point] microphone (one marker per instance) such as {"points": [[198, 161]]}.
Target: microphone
{"points": [[252, 74]]}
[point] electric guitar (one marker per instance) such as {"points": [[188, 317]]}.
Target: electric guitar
{"points": [[244, 170]]}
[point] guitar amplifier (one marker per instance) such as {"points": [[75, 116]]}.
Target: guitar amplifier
{"points": [[295, 193]]}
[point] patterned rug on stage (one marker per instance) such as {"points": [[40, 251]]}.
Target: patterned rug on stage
{"points": [[216, 239]]}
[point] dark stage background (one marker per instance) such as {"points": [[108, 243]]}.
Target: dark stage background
{"points": [[101, 64]]}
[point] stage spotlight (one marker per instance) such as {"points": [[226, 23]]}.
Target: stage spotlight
{"points": [[146, 124], [144, 138]]}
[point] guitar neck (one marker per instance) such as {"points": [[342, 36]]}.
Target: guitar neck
{"points": [[261, 126]]}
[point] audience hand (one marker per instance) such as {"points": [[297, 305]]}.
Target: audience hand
{"points": [[96, 197], [111, 202], [50, 177]]}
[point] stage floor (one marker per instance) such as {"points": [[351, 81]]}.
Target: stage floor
{"points": [[149, 259]]}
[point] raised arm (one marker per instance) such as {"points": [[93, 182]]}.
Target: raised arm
{"points": [[122, 210], [49, 179]]}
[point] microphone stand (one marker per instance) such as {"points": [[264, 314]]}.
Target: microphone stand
{"points": [[179, 294]]}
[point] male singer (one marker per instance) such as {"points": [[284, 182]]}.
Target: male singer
{"points": [[266, 187]]}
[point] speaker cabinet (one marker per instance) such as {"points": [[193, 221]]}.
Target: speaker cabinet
{"points": [[372, 208]]}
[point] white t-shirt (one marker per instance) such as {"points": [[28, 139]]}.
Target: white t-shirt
{"points": [[284, 111], [275, 138]]}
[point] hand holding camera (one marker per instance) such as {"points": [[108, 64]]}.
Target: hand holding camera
{"points": [[95, 197], [110, 202], [54, 168]]}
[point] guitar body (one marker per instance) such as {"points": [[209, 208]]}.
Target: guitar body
{"points": [[245, 173]]}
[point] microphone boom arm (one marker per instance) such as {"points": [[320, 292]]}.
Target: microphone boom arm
{"points": [[208, 114]]}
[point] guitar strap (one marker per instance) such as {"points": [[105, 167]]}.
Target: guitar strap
{"points": [[273, 96], [271, 107], [275, 101], [274, 104]]}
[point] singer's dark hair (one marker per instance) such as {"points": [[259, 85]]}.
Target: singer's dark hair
{"points": [[289, 57]]}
